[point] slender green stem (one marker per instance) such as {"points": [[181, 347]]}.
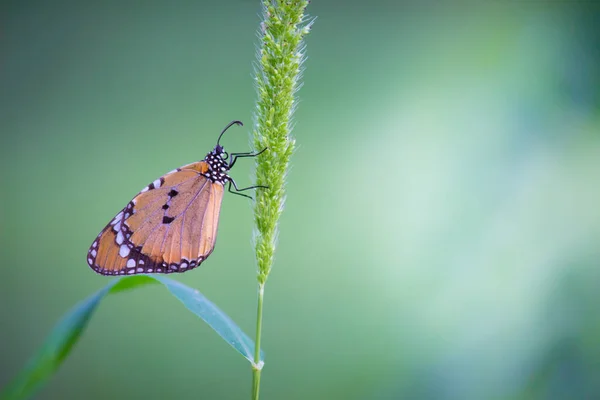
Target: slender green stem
{"points": [[255, 383], [277, 79], [257, 365]]}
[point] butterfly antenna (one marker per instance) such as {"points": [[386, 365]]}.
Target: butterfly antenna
{"points": [[227, 127]]}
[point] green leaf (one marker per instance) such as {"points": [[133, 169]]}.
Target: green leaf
{"points": [[67, 332], [215, 318]]}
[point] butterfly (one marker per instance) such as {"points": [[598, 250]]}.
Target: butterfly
{"points": [[171, 225]]}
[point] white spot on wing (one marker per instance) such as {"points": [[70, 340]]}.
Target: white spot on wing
{"points": [[140, 270], [117, 218], [95, 244], [94, 253], [131, 271], [124, 251], [90, 260], [156, 183], [144, 189], [130, 263]]}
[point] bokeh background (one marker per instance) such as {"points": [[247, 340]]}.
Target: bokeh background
{"points": [[441, 233]]}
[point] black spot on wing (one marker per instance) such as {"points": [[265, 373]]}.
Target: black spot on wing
{"points": [[168, 220]]}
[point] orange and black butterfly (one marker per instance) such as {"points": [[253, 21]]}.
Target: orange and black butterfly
{"points": [[171, 225]]}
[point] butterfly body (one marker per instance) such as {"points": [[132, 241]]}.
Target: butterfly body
{"points": [[171, 225]]}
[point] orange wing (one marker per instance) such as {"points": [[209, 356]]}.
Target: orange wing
{"points": [[170, 226]]}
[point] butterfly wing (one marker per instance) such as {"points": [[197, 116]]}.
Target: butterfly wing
{"points": [[170, 226]]}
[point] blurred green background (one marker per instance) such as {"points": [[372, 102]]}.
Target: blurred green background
{"points": [[441, 232]]}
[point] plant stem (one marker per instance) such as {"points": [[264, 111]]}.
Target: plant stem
{"points": [[257, 368], [277, 79]]}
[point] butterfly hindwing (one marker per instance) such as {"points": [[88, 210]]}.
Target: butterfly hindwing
{"points": [[170, 226]]}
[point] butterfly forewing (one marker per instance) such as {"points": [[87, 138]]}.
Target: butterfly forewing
{"points": [[170, 226]]}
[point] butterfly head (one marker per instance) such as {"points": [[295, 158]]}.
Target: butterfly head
{"points": [[217, 159], [220, 152]]}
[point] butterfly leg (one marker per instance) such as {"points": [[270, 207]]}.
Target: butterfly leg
{"points": [[238, 190], [234, 156]]}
